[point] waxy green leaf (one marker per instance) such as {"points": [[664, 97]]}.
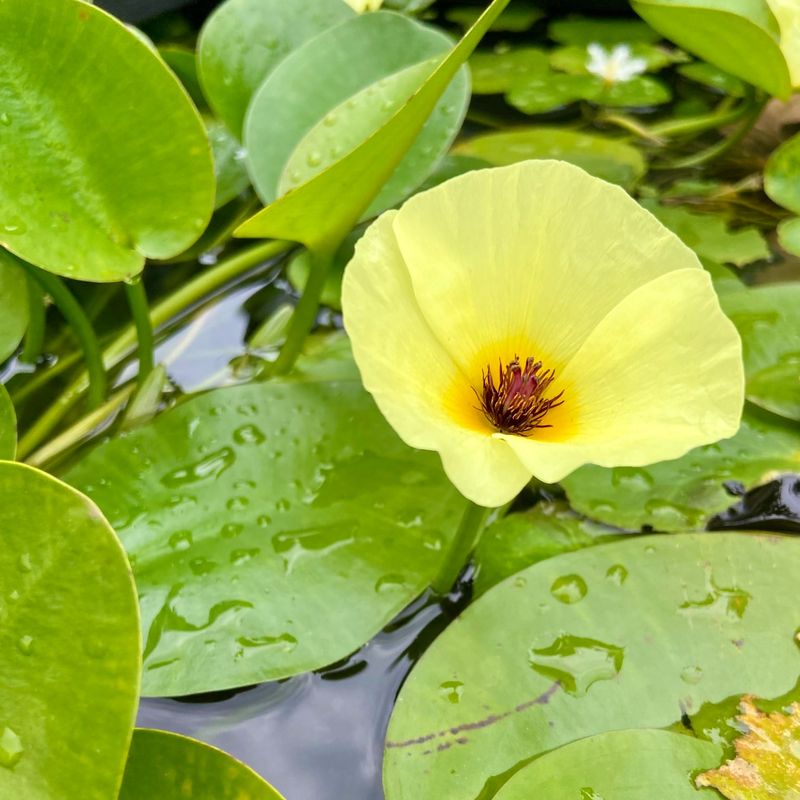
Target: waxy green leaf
{"points": [[782, 175], [264, 537], [8, 426], [553, 655], [738, 36], [608, 32], [321, 212], [684, 493], [166, 766], [69, 643], [97, 174], [244, 40], [493, 72], [14, 304]]}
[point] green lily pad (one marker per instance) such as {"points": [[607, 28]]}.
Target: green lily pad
{"points": [[244, 40], [713, 77], [710, 235], [518, 540], [789, 235], [623, 765], [584, 31], [641, 91], [320, 213], [682, 494], [575, 58], [14, 302], [229, 163], [517, 18], [494, 72], [605, 158], [69, 643], [298, 124], [168, 766], [272, 528], [528, 668], [782, 175], [739, 36], [768, 320], [92, 183], [8, 426]]}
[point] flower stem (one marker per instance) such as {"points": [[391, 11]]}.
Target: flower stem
{"points": [[466, 538], [140, 311], [203, 285], [305, 314], [76, 317], [34, 335]]}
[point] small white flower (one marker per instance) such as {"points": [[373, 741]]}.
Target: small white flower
{"points": [[614, 66]]}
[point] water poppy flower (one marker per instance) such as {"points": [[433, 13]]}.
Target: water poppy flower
{"points": [[614, 66], [530, 319]]}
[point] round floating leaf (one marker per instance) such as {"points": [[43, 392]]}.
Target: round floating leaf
{"points": [[623, 765], [538, 94], [531, 666], [782, 175], [740, 37], [69, 643], [518, 540], [682, 494], [98, 174], [768, 320], [517, 18], [583, 31], [789, 235], [273, 529], [14, 304], [713, 77], [182, 61], [8, 426], [243, 41], [299, 123], [641, 91], [494, 72], [166, 766], [605, 158]]}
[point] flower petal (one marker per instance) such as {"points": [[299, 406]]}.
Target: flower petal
{"points": [[661, 374], [528, 258]]}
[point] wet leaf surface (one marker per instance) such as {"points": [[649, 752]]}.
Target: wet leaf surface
{"points": [[14, 304]]}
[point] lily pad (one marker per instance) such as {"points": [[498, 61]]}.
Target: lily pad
{"points": [[93, 184], [583, 31], [244, 40], [768, 320], [298, 124], [517, 18], [183, 62], [14, 302], [526, 670], [493, 72], [272, 528], [8, 426], [713, 77], [167, 766], [518, 540], [682, 494], [789, 235], [623, 765], [605, 158], [739, 36], [711, 236], [69, 643], [782, 175]]}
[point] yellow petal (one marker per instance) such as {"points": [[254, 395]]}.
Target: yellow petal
{"points": [[660, 374], [787, 12], [411, 376], [527, 259]]}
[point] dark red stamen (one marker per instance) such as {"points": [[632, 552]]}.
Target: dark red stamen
{"points": [[517, 404]]}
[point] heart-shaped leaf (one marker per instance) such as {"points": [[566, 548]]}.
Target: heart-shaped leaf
{"points": [[531, 666], [69, 643], [93, 180]]}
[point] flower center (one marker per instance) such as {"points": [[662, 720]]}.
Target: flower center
{"points": [[516, 403]]}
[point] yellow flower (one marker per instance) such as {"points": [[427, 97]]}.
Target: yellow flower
{"points": [[787, 13], [452, 302], [364, 5]]}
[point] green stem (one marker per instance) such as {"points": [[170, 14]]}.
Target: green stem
{"points": [[722, 115], [140, 311], [34, 335], [76, 317], [467, 536], [203, 285], [305, 314]]}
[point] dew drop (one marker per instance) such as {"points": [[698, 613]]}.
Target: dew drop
{"points": [[202, 566], [180, 540], [25, 645], [249, 434], [11, 748], [577, 662], [692, 675], [283, 643], [5, 118], [330, 119], [231, 529], [242, 556], [237, 504], [24, 562], [211, 466], [569, 588], [452, 691], [617, 574], [389, 583], [314, 158]]}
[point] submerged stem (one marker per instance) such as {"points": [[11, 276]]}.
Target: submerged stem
{"points": [[75, 315], [466, 538], [34, 334], [305, 313], [204, 284], [140, 311]]}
